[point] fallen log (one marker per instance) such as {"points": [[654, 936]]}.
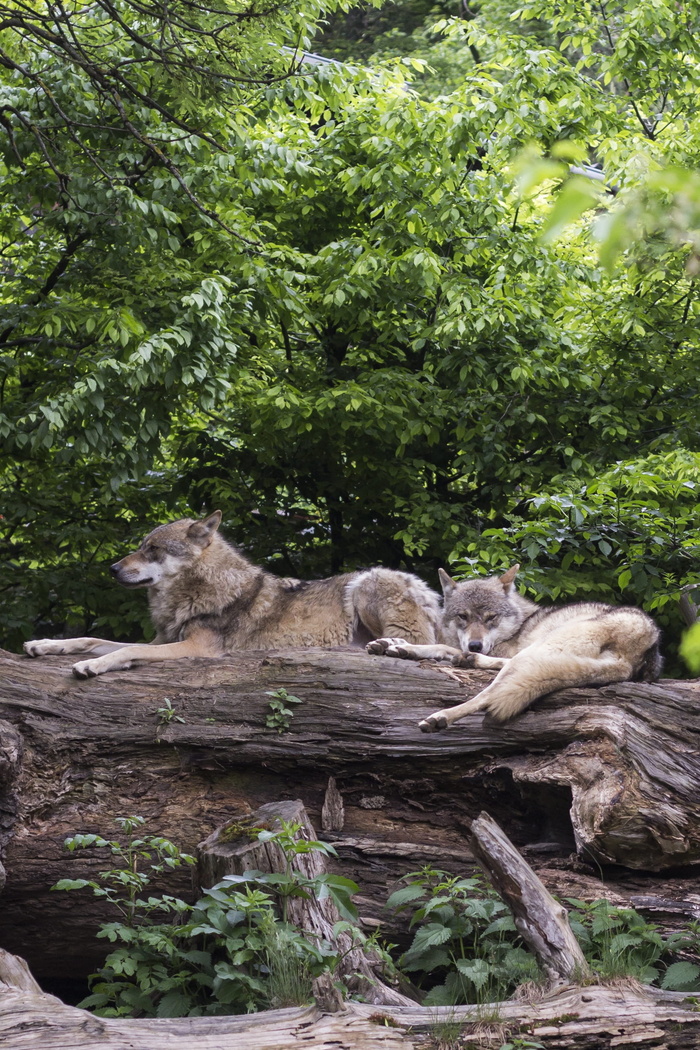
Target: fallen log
{"points": [[597, 1017], [611, 773], [541, 921]]}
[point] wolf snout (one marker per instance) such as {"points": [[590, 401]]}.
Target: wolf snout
{"points": [[475, 647]]}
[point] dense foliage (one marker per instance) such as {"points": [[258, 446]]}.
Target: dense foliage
{"points": [[339, 305], [234, 950], [231, 951]]}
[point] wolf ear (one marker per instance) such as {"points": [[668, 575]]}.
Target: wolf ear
{"points": [[202, 532], [507, 578], [446, 582]]}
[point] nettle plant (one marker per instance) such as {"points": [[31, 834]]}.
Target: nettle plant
{"points": [[619, 942], [466, 948], [233, 951]]}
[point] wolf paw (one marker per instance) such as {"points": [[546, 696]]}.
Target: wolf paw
{"points": [[433, 724], [44, 647], [86, 669], [382, 646], [464, 660], [401, 650]]}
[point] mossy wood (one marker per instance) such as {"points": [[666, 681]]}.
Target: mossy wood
{"points": [[234, 849]]}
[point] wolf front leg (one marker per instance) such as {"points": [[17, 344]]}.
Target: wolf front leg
{"points": [[403, 650], [486, 663], [201, 644], [69, 646]]}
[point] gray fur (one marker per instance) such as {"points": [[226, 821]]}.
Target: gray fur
{"points": [[487, 624], [206, 599]]}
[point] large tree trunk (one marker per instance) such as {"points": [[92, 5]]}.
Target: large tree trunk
{"points": [[612, 774]]}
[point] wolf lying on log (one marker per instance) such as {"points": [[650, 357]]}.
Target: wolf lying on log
{"points": [[487, 624]]}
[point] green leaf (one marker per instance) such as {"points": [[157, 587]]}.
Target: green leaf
{"points": [[405, 895], [690, 648], [576, 197], [174, 1004], [681, 976], [71, 884]]}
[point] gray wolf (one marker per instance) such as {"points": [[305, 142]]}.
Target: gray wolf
{"points": [[487, 624], [206, 599]]}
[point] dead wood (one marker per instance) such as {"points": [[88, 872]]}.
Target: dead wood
{"points": [[624, 1017], [611, 774], [542, 922], [333, 812], [234, 849]]}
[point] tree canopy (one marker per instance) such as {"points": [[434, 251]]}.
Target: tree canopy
{"points": [[363, 307]]}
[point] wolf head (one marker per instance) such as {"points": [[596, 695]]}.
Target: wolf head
{"points": [[484, 612], [165, 551]]}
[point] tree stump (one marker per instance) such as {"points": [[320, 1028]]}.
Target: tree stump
{"points": [[230, 850]]}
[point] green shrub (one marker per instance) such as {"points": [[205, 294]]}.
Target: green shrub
{"points": [[619, 942], [465, 948], [232, 951]]}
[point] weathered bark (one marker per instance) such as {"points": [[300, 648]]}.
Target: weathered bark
{"points": [[541, 921], [32, 1020], [333, 812], [231, 850], [624, 1017], [612, 772]]}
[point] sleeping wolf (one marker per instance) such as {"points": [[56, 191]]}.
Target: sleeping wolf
{"points": [[486, 623], [206, 599]]}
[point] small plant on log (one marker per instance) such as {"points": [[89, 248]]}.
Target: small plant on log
{"points": [[619, 942], [466, 948], [166, 716], [231, 952], [280, 715]]}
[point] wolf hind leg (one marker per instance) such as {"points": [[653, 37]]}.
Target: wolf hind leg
{"points": [[532, 673], [395, 605]]}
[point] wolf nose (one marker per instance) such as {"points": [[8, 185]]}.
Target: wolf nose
{"points": [[114, 569], [475, 647]]}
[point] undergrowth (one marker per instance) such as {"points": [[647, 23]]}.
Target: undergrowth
{"points": [[465, 948], [234, 950]]}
